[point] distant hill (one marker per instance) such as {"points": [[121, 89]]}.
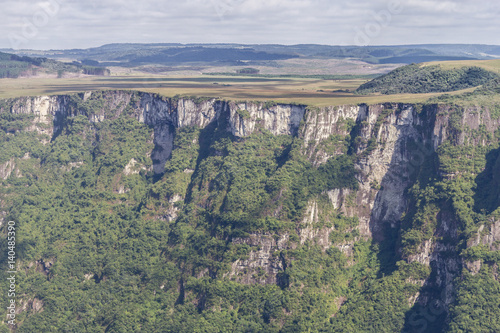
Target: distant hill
{"points": [[417, 78], [400, 54], [13, 66], [208, 54], [233, 54]]}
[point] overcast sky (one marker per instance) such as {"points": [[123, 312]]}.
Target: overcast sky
{"points": [[63, 24]]}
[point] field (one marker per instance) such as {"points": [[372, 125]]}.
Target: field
{"points": [[311, 91], [490, 65], [307, 91]]}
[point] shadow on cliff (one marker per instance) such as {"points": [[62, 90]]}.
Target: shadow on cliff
{"points": [[429, 312], [413, 159], [487, 196], [213, 132]]}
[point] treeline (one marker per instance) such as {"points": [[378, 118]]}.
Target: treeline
{"points": [[12, 66], [91, 70], [12, 69]]}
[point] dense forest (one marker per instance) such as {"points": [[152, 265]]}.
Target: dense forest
{"points": [[418, 79], [227, 237], [11, 66]]}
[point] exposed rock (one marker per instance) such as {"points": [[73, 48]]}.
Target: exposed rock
{"points": [[309, 231], [189, 113], [487, 235], [278, 119], [44, 265], [389, 163], [320, 124], [172, 211], [423, 254], [133, 168], [72, 165], [32, 305], [262, 265], [165, 115], [2, 215], [155, 110]]}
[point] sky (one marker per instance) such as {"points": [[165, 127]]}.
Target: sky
{"points": [[66, 24]]}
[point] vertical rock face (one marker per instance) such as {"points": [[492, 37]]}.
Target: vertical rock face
{"points": [[388, 165], [319, 236], [320, 124], [383, 172], [45, 109], [245, 117], [165, 115], [487, 236], [471, 126], [403, 138], [7, 168], [178, 112], [190, 113], [387, 162], [156, 110]]}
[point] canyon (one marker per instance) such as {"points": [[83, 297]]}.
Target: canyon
{"points": [[392, 144]]}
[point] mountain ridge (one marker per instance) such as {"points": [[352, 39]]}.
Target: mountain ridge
{"points": [[136, 53]]}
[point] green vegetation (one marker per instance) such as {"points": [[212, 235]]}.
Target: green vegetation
{"points": [[13, 66], [172, 53], [96, 253], [477, 308], [103, 250], [248, 70], [486, 96], [417, 79]]}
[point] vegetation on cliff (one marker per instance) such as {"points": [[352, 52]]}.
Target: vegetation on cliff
{"points": [[102, 249]]}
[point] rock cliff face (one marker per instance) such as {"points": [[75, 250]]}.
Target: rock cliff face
{"points": [[393, 141], [165, 115], [278, 119], [384, 170]]}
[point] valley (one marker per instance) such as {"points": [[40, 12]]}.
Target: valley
{"points": [[276, 201]]}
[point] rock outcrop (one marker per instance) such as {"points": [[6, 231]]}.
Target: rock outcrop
{"points": [[262, 265], [245, 117]]}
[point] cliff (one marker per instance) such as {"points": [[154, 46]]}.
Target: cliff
{"points": [[408, 162]]}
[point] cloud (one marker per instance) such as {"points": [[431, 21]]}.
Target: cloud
{"points": [[79, 24]]}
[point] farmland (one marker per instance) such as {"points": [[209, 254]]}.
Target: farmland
{"points": [[318, 92]]}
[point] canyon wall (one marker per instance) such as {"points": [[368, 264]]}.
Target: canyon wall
{"points": [[392, 142]]}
